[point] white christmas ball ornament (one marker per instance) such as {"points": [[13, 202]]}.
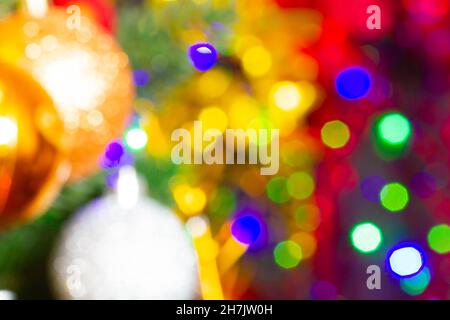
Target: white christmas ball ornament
{"points": [[109, 251]]}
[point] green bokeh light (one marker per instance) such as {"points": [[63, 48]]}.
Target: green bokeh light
{"points": [[366, 237], [300, 185], [277, 190], [287, 254], [394, 196], [416, 285], [439, 238], [394, 128]]}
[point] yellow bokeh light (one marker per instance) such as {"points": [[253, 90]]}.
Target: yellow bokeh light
{"points": [[243, 110], [307, 242], [213, 118], [286, 95], [257, 61], [335, 134], [191, 201], [213, 84], [300, 185], [307, 217], [241, 43]]}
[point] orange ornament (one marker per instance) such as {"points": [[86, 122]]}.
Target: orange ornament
{"points": [[84, 71], [32, 167]]}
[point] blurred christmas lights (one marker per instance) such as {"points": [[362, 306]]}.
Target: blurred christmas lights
{"points": [[274, 78]]}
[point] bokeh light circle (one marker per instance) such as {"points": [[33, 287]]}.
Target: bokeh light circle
{"points": [[405, 260], [370, 188], [439, 238], [366, 237], [277, 190], [257, 61], [307, 217], [203, 56], [394, 128], [307, 243], [353, 83], [300, 185], [136, 139], [286, 95], [246, 229], [335, 134], [287, 254], [213, 118], [417, 284], [394, 197]]}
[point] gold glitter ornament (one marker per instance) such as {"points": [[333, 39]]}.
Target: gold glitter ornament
{"points": [[83, 70]]}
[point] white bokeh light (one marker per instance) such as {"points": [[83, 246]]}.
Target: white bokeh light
{"points": [[406, 261], [136, 139]]}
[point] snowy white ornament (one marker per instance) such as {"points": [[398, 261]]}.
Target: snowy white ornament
{"points": [[114, 251]]}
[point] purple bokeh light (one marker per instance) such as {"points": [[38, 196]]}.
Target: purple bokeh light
{"points": [[370, 188], [203, 56], [141, 77]]}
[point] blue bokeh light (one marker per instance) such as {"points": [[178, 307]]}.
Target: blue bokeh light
{"points": [[353, 83], [246, 229]]}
